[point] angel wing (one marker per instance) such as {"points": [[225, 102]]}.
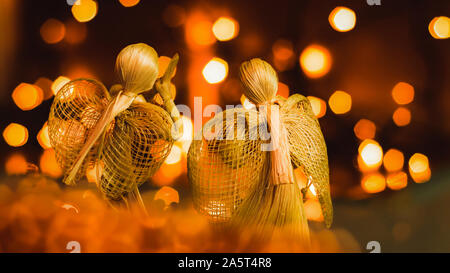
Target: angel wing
{"points": [[222, 170], [308, 148], [75, 110]]}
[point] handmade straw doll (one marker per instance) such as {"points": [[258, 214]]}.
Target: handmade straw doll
{"points": [[124, 137], [241, 167]]}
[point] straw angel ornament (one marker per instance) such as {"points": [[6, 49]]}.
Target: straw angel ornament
{"points": [[244, 179], [119, 133]]}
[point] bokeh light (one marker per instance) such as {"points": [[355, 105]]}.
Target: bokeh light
{"points": [[283, 54], [15, 135], [403, 93], [174, 155], [401, 116], [315, 61], [129, 3], [318, 105], [225, 28], [16, 164], [283, 90], [371, 153], [49, 165], [419, 168], [58, 83], [45, 85], [342, 19], [439, 27], [52, 31], [215, 71], [27, 96], [397, 181], [313, 210], [365, 129], [84, 10], [373, 183], [340, 102], [43, 137], [393, 160]]}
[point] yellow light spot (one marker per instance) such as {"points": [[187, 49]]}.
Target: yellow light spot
{"points": [[52, 31], [439, 27], [421, 177], [342, 19], [15, 135], [225, 29], [340, 102], [168, 194], [373, 183], [167, 174], [49, 165], [174, 155], [393, 160], [364, 129], [129, 3], [313, 210], [283, 90], [84, 10], [215, 71], [318, 105], [397, 181], [58, 83], [43, 137], [418, 163], [27, 96], [16, 165], [315, 61], [403, 93], [401, 116], [371, 153], [163, 62]]}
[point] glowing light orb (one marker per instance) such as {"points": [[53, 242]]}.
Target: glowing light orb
{"points": [[27, 96], [84, 10], [340, 102], [52, 31], [371, 153], [15, 135], [315, 61], [373, 183], [225, 29], [401, 116], [215, 71], [342, 19], [318, 105], [403, 93], [393, 160], [364, 129], [439, 27]]}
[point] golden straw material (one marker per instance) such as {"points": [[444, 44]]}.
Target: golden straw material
{"points": [[238, 181], [127, 139]]}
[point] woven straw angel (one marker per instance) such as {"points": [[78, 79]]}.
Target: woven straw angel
{"points": [[241, 167], [125, 137]]}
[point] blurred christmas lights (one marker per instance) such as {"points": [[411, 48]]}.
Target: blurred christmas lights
{"points": [[225, 29], [27, 96], [364, 129], [403, 93], [373, 183], [342, 19], [84, 10], [401, 116], [215, 71], [439, 27], [340, 102], [315, 61], [15, 135]]}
